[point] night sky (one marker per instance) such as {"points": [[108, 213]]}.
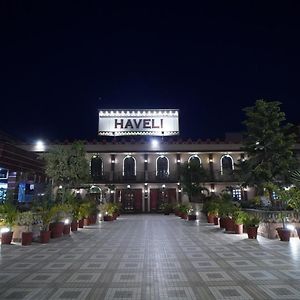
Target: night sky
{"points": [[61, 61]]}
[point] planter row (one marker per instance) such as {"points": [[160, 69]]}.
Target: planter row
{"points": [[229, 225], [110, 218], [56, 230], [185, 216]]}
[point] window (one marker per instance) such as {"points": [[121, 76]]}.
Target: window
{"points": [[226, 165], [129, 167], [237, 194], [195, 160], [96, 167], [162, 167]]}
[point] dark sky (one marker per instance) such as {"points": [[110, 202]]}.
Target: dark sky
{"points": [[209, 61]]}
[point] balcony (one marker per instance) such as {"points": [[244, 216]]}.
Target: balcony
{"points": [[141, 177], [225, 177]]}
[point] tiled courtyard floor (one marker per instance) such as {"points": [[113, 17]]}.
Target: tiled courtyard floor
{"points": [[152, 257]]}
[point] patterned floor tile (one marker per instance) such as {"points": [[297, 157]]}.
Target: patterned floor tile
{"points": [[281, 292], [41, 278], [84, 277], [151, 257], [258, 275], [230, 293], [177, 293], [71, 293], [21, 293], [99, 265], [215, 276], [123, 293]]}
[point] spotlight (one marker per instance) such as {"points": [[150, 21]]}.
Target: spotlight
{"points": [[154, 143]]}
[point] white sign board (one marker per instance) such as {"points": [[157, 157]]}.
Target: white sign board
{"points": [[139, 122]]}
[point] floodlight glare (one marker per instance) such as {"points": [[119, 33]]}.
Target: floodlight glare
{"points": [[40, 146], [154, 143]]}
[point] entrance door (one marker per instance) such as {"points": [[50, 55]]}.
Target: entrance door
{"points": [[131, 200], [153, 199], [160, 196], [138, 195]]}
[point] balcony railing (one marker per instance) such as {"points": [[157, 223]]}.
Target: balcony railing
{"points": [[119, 177]]}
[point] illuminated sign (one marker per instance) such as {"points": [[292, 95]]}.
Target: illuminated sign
{"points": [[139, 122]]}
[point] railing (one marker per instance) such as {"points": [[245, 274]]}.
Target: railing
{"points": [[274, 215], [119, 177], [224, 177]]}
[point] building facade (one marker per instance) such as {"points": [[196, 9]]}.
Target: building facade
{"points": [[141, 175]]}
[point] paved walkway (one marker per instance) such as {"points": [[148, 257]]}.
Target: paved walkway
{"points": [[152, 257]]}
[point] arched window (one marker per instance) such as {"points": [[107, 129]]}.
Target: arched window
{"points": [[96, 167], [96, 193], [129, 167], [227, 165], [162, 167], [194, 160]]}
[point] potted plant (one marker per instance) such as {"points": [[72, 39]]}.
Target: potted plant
{"points": [[85, 209], [45, 209], [8, 216], [183, 209], [227, 209], [251, 223], [239, 217], [73, 207], [287, 197], [46, 212], [166, 208], [109, 210], [191, 215], [75, 211], [176, 210], [92, 212], [25, 219], [82, 212], [212, 211], [294, 202], [57, 226], [284, 233]]}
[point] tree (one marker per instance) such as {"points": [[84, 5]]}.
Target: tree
{"points": [[269, 145], [192, 176], [67, 165]]}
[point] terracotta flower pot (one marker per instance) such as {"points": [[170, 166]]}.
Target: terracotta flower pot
{"points": [[74, 225], [107, 218], [222, 222], [229, 224], [67, 229], [86, 222], [92, 219], [216, 220], [238, 228], [284, 234], [183, 216], [210, 218], [26, 238], [56, 229], [6, 238], [45, 236], [252, 232], [80, 223]]}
